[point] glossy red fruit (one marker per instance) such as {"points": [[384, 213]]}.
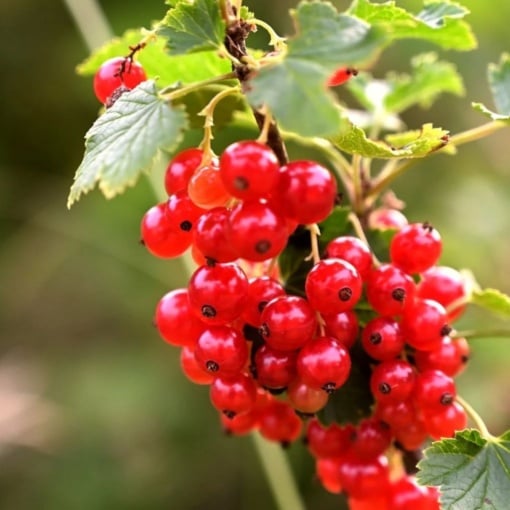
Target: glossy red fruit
{"points": [[406, 494], [180, 169], [183, 214], [328, 473], [445, 422], [192, 369], [352, 250], [333, 286], [159, 236], [217, 293], [221, 350], [386, 219], [287, 323], [392, 381], [389, 290], [412, 436], [341, 76], [249, 169], [256, 231], [397, 414], [343, 327], [233, 395], [324, 363], [274, 369], [415, 248], [450, 356], [446, 286], [328, 441], [371, 439], [279, 422], [176, 322], [114, 73], [305, 399], [434, 390], [206, 189], [382, 338], [261, 290], [308, 191]]}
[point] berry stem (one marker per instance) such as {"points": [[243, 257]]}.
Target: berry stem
{"points": [[357, 185], [358, 229], [277, 42], [280, 477], [268, 119], [170, 93], [476, 418], [315, 232], [487, 333]]}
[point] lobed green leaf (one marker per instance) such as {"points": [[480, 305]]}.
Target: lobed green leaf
{"points": [[125, 141], [157, 63], [473, 472], [193, 26]]}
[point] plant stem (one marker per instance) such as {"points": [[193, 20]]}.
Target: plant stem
{"points": [[281, 481], [471, 135], [487, 333], [170, 93], [477, 420]]}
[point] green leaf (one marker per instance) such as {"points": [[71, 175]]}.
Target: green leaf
{"points": [[125, 140], [191, 27], [492, 300], [158, 64], [499, 81], [473, 473], [430, 79], [294, 87], [440, 22], [412, 144]]}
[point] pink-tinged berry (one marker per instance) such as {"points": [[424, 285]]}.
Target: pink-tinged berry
{"points": [[180, 169], [114, 73], [352, 250], [416, 248], [249, 170], [386, 219]]}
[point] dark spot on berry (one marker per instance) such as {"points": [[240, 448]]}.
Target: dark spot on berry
{"points": [[384, 388], [212, 366], [305, 440], [445, 330], [264, 330], [261, 305], [427, 226], [142, 242], [375, 338], [186, 225], [329, 387], [241, 183], [398, 294], [210, 262], [229, 414], [345, 293], [208, 311], [352, 71], [262, 246], [446, 399], [464, 358], [285, 444]]}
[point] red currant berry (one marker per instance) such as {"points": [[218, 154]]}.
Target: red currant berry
{"points": [[210, 236], [450, 357], [434, 390], [233, 395], [341, 76], [159, 237], [176, 321], [328, 473], [445, 422], [386, 219], [181, 168], [206, 189], [371, 439], [308, 191], [382, 338], [444, 285], [287, 323], [392, 380], [397, 415], [370, 502], [278, 422], [249, 170], [305, 399], [343, 327], [240, 424], [221, 350], [406, 494], [324, 363], [333, 286], [415, 248], [261, 290], [389, 290], [411, 437], [328, 441], [274, 369], [114, 73], [352, 250], [218, 293], [192, 369], [424, 324], [182, 214], [256, 232]]}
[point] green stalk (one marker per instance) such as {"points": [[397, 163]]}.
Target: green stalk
{"points": [[273, 460]]}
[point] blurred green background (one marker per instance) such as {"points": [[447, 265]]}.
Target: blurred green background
{"points": [[94, 413]]}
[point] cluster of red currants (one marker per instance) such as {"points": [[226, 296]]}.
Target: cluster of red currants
{"points": [[271, 358]]}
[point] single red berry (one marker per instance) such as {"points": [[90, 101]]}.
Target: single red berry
{"points": [[249, 170], [192, 369], [274, 369], [333, 286], [328, 473], [183, 214], [352, 250], [233, 395], [386, 219], [343, 327], [206, 189], [412, 436], [371, 439], [308, 191], [397, 414], [176, 321], [433, 390], [279, 422], [287, 323], [218, 293], [181, 168], [450, 356], [415, 248], [159, 236], [240, 424], [324, 363], [221, 350], [116, 72], [328, 441], [382, 338], [446, 286], [392, 380], [261, 290], [370, 502], [256, 232], [305, 399], [445, 422], [341, 76], [406, 494], [424, 324]]}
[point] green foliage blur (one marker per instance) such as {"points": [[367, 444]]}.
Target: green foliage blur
{"points": [[94, 412]]}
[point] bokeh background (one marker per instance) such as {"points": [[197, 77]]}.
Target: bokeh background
{"points": [[94, 413]]}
